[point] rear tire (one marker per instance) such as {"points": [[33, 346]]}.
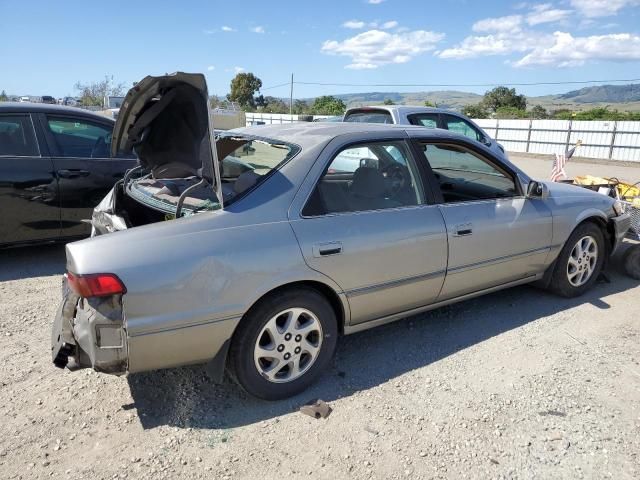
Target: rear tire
{"points": [[631, 262], [580, 261], [283, 344]]}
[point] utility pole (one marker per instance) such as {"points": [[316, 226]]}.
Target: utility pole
{"points": [[291, 97]]}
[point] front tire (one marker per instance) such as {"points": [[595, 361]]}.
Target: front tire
{"points": [[580, 261], [631, 262], [283, 344]]}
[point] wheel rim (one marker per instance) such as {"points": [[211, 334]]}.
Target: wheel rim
{"points": [[288, 345], [582, 261]]}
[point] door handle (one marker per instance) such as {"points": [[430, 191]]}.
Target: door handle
{"points": [[463, 230], [327, 249], [73, 173]]}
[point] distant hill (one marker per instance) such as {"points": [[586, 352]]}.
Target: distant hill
{"points": [[620, 97], [604, 94]]}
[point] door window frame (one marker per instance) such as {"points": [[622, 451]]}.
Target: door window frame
{"points": [[54, 148], [421, 175], [490, 159], [33, 131]]}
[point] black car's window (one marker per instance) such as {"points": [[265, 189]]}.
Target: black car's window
{"points": [[368, 116], [17, 138], [465, 176], [367, 176], [429, 120], [461, 126], [76, 137]]}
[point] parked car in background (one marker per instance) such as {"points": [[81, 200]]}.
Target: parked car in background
{"points": [[70, 101], [256, 252], [55, 166], [48, 99], [24, 99], [425, 117]]}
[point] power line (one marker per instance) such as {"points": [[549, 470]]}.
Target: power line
{"points": [[527, 84]]}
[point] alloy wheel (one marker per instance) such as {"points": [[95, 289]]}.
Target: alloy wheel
{"points": [[582, 261], [288, 345]]}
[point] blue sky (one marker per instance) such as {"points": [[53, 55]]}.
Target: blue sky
{"points": [[48, 46]]}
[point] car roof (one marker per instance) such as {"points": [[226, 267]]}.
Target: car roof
{"points": [[403, 108], [310, 134], [28, 107]]}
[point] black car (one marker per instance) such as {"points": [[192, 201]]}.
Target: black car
{"points": [[55, 166], [48, 99]]}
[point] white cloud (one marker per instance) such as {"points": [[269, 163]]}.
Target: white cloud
{"points": [[389, 24], [375, 2], [544, 13], [601, 8], [258, 29], [500, 24], [211, 68], [499, 43], [375, 48], [226, 28], [353, 24], [238, 69], [569, 51]]}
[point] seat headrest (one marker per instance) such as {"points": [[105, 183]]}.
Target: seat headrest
{"points": [[368, 182]]}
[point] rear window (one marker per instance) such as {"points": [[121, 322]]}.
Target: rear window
{"points": [[368, 116], [17, 138]]}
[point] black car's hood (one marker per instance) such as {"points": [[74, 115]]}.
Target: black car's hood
{"points": [[166, 121]]}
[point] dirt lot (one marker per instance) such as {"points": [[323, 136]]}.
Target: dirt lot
{"points": [[518, 384]]}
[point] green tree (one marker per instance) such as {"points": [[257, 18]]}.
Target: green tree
{"points": [[274, 105], [538, 112], [328, 105], [503, 97], [3, 96], [475, 111], [510, 112], [388, 101], [92, 94], [301, 107], [429, 103], [243, 86]]}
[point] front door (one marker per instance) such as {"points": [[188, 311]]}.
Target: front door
{"points": [[28, 190], [368, 226], [496, 235]]}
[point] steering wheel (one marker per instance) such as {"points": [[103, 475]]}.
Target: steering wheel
{"points": [[396, 177]]}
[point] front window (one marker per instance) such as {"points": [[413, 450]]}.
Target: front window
{"points": [[79, 138], [461, 126], [466, 176]]}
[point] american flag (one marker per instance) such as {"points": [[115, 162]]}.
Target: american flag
{"points": [[557, 172]]}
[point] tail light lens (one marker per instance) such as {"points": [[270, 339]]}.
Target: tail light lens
{"points": [[96, 284]]}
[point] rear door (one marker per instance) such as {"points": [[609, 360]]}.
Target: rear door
{"points": [[428, 120], [28, 189], [82, 162], [369, 226]]}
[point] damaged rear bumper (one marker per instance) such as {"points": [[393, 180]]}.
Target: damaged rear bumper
{"points": [[89, 333]]}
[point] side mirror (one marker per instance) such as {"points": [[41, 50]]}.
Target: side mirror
{"points": [[537, 190]]}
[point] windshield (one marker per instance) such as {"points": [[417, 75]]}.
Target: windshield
{"points": [[368, 116]]}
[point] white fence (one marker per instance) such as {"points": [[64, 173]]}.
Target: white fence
{"points": [[611, 140]]}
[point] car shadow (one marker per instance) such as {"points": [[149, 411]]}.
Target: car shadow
{"points": [[187, 398], [32, 261]]}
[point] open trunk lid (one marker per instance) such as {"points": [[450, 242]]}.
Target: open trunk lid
{"points": [[166, 121]]}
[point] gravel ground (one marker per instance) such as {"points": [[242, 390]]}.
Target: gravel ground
{"points": [[518, 384]]}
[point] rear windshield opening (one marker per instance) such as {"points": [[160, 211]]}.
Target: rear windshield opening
{"points": [[244, 162], [368, 116]]}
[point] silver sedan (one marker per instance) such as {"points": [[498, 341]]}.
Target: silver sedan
{"points": [[253, 250]]}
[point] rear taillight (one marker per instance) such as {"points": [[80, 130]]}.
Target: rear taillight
{"points": [[96, 284]]}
